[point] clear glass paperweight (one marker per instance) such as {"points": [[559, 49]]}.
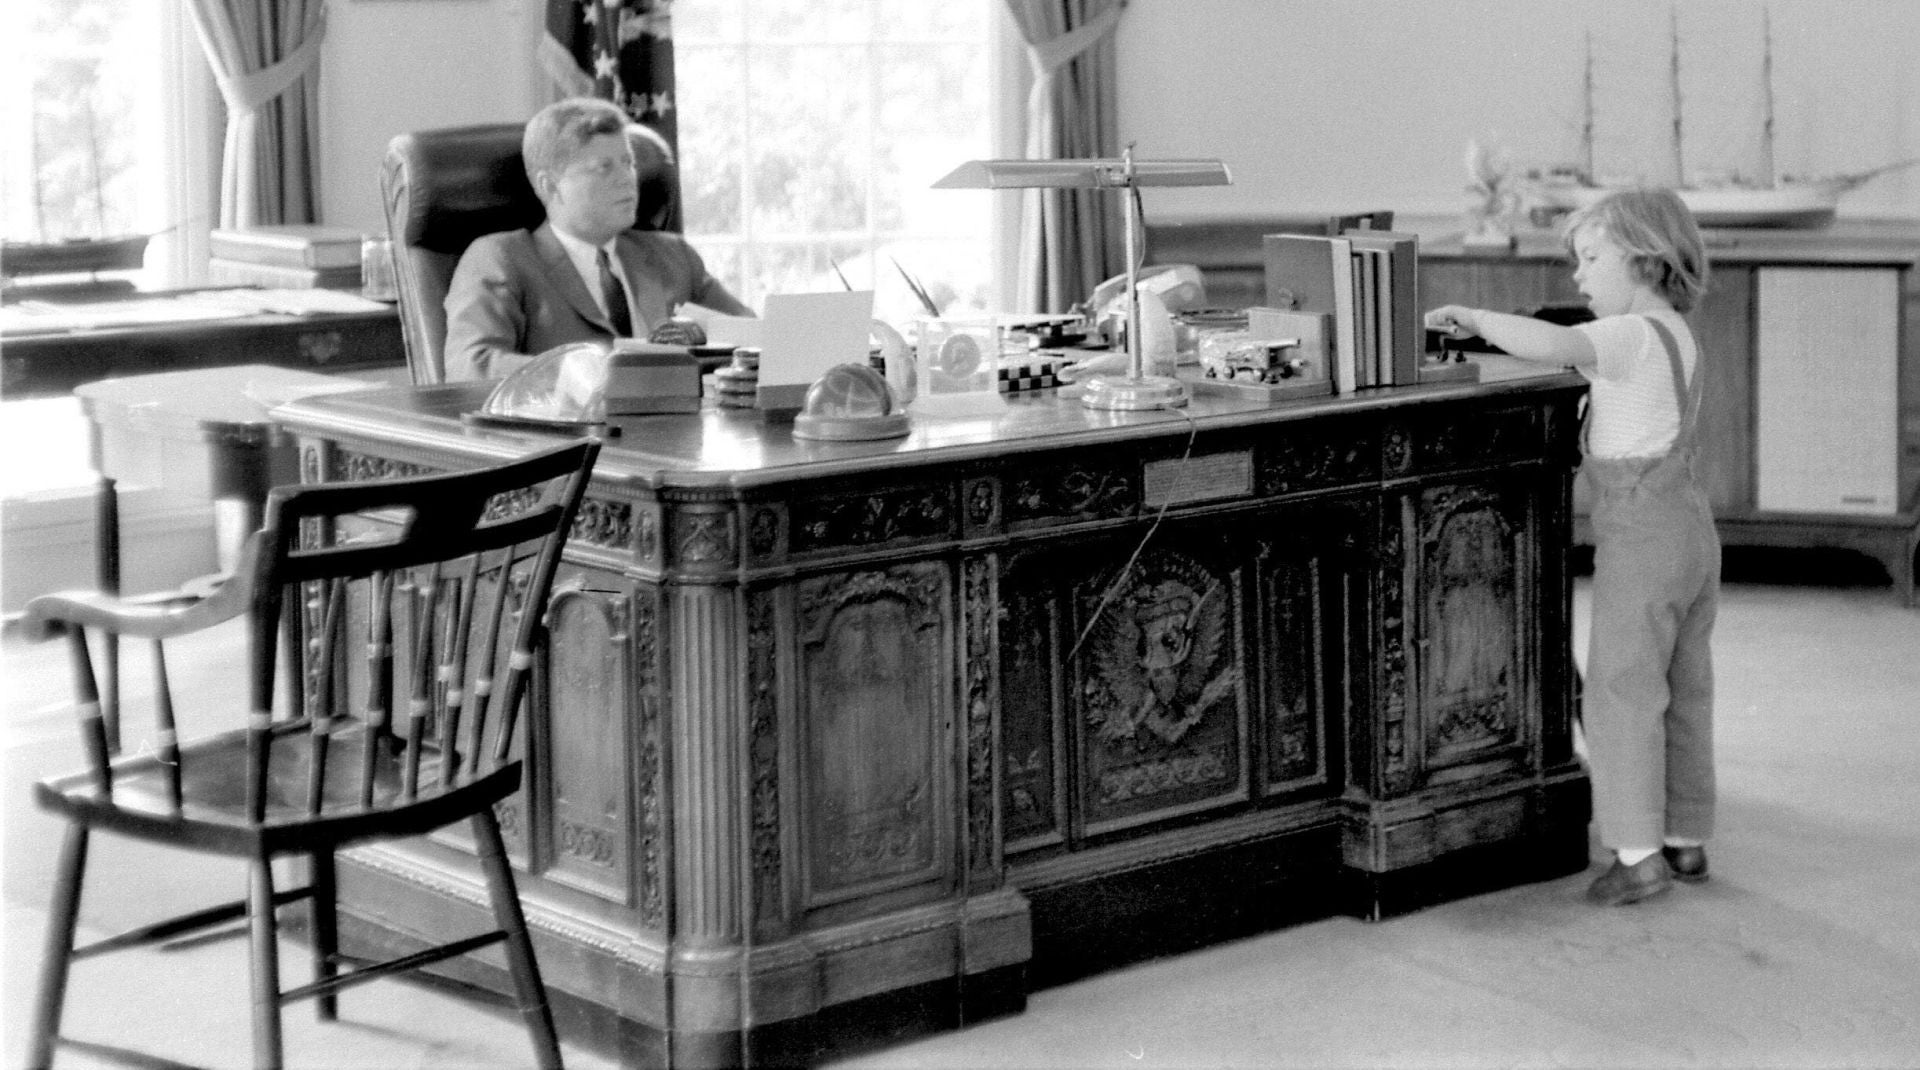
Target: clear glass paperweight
{"points": [[850, 402], [566, 385]]}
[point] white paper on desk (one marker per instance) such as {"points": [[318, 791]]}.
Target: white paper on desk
{"points": [[805, 334], [734, 330]]}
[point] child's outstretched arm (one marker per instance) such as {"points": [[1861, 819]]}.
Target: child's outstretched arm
{"points": [[1521, 336]]}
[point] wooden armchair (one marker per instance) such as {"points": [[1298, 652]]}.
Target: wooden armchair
{"points": [[420, 603]]}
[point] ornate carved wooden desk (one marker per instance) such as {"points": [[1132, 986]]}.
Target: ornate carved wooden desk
{"points": [[843, 733]]}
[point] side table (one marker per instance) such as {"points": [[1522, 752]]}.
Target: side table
{"points": [[203, 433]]}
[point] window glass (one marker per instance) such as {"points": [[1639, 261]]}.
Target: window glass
{"points": [[810, 133], [83, 122]]}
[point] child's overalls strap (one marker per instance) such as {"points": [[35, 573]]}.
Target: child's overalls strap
{"points": [[1686, 396]]}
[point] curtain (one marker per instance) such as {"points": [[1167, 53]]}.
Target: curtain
{"points": [[265, 58], [620, 50], [1069, 239]]}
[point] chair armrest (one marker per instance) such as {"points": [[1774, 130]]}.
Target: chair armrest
{"points": [[144, 616]]}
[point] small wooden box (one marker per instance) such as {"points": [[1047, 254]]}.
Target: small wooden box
{"points": [[644, 377]]}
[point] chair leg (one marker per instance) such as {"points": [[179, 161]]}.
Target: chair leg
{"points": [[264, 936], [51, 996], [324, 906], [532, 994]]}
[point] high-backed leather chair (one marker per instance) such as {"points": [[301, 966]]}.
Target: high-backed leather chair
{"points": [[444, 188]]}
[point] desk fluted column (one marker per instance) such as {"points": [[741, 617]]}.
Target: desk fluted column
{"points": [[710, 774]]}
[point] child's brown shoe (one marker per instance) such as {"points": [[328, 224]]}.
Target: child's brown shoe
{"points": [[1622, 884], [1688, 863]]}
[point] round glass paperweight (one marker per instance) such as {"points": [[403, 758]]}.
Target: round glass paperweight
{"points": [[566, 385], [850, 402]]}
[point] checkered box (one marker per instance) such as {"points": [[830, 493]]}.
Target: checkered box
{"points": [[1029, 373]]}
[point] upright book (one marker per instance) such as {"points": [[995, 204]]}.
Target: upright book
{"points": [[1309, 273], [296, 245], [1404, 337]]}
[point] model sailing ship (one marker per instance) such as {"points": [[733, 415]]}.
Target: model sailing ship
{"points": [[1762, 201]]}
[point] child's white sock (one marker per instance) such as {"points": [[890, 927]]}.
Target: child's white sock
{"points": [[1635, 856]]}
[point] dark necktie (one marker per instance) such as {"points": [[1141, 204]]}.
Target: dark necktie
{"points": [[616, 296]]}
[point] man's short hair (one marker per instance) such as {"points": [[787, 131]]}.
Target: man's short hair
{"points": [[559, 131]]}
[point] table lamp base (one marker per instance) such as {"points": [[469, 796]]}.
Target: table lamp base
{"points": [[1130, 394]]}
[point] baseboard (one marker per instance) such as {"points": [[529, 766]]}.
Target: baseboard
{"points": [[48, 541]]}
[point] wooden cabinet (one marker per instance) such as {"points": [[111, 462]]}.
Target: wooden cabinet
{"points": [[1811, 417], [834, 734], [1811, 420]]}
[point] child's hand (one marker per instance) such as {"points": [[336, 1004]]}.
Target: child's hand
{"points": [[1454, 320]]}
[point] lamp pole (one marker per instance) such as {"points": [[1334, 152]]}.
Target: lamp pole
{"points": [[1136, 390]]}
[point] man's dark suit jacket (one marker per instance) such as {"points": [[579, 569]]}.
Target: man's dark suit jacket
{"points": [[515, 295]]}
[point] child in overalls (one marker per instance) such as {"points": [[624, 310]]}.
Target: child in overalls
{"points": [[1648, 720]]}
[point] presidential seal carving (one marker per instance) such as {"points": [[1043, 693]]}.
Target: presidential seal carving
{"points": [[1160, 689]]}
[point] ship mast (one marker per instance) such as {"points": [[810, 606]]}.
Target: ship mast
{"points": [[1767, 178], [1673, 90], [1586, 126]]}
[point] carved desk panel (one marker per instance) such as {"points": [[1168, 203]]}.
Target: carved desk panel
{"points": [[826, 729]]}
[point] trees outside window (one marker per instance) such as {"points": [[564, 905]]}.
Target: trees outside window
{"points": [[810, 133]]}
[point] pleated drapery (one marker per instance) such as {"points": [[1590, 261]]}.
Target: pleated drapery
{"points": [[265, 57], [1069, 239]]}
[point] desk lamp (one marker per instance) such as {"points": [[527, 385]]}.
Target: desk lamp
{"points": [[1136, 389]]}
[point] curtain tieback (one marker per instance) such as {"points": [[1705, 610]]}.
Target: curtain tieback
{"points": [[1056, 52], [245, 93]]}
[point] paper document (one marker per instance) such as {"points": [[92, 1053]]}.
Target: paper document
{"points": [[805, 334]]}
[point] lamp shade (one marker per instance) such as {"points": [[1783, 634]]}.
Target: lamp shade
{"points": [[1084, 174]]}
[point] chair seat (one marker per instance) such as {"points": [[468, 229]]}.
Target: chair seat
{"points": [[213, 811]]}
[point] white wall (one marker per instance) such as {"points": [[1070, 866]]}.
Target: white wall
{"points": [[391, 66], [1319, 105]]}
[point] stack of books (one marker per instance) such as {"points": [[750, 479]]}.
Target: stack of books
{"points": [[1366, 282], [289, 257]]}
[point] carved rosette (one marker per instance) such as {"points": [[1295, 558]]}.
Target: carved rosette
{"points": [[982, 498], [651, 772], [980, 590], [1073, 492], [766, 532], [763, 729], [1396, 450]]}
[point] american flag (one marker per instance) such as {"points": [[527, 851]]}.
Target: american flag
{"points": [[620, 50]]}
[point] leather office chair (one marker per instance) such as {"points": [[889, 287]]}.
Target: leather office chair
{"points": [[421, 607], [444, 188]]}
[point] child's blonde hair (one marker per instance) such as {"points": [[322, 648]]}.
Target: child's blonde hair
{"points": [[1661, 239]]}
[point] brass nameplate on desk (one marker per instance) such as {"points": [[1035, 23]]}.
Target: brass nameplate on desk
{"points": [[1179, 481]]}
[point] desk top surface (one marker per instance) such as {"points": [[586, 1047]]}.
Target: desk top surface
{"points": [[737, 448], [33, 319], [232, 398]]}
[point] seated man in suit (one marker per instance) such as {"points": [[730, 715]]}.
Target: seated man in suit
{"points": [[585, 274]]}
